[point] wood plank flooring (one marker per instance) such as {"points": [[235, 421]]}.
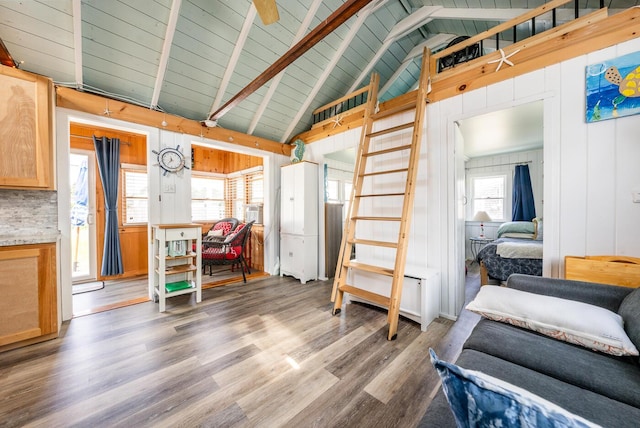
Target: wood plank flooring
{"points": [[125, 292], [263, 354]]}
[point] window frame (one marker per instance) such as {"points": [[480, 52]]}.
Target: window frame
{"points": [[209, 176], [136, 169], [247, 176], [506, 199]]}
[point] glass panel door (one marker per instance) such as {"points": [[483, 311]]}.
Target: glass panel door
{"points": [[83, 233]]}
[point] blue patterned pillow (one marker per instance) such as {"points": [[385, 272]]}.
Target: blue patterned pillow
{"points": [[479, 400]]}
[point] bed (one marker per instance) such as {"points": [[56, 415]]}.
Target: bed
{"points": [[517, 249]]}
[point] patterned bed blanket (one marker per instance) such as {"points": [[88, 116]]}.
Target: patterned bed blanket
{"points": [[501, 267]]}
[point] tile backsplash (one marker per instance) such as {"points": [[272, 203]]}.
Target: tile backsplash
{"points": [[28, 212]]}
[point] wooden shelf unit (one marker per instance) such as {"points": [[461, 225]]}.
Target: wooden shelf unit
{"points": [[176, 268]]}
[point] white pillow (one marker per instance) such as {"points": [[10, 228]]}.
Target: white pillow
{"points": [[575, 322], [218, 232]]}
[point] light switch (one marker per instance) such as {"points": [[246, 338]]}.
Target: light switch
{"points": [[169, 188], [635, 196]]}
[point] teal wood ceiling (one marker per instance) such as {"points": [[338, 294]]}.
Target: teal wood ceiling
{"points": [[129, 49]]}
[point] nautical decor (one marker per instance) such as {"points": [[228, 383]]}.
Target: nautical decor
{"points": [[297, 152]]}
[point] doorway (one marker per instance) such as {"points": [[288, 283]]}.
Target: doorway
{"points": [[492, 145], [82, 219], [93, 290], [338, 177]]}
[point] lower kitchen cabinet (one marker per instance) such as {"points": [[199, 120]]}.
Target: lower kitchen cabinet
{"points": [[29, 306]]}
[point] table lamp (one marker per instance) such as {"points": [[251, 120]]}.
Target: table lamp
{"points": [[481, 216]]}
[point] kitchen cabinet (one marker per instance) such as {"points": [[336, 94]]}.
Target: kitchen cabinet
{"points": [[299, 221], [177, 258], [26, 106], [29, 304]]}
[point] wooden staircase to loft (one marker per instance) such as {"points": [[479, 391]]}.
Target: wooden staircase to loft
{"points": [[375, 212]]}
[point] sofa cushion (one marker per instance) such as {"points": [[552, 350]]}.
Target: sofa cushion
{"points": [[478, 399], [588, 404], [603, 295], [630, 313], [615, 377], [575, 322]]}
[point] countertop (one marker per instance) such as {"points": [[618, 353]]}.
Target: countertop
{"points": [[41, 238]]}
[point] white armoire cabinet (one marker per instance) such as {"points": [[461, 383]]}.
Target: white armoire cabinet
{"points": [[299, 221]]}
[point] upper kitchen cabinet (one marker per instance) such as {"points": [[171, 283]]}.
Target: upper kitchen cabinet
{"points": [[26, 108]]}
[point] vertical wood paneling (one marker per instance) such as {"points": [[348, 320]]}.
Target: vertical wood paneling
{"points": [[627, 213], [500, 93], [257, 248], [451, 109], [573, 172], [575, 155], [528, 84], [551, 170], [474, 99], [601, 178]]}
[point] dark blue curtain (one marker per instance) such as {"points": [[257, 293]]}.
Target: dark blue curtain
{"points": [[524, 208], [108, 157]]}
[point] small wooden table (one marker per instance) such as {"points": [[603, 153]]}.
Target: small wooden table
{"points": [[477, 244]]}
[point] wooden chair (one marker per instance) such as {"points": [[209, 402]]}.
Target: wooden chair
{"points": [[228, 252]]}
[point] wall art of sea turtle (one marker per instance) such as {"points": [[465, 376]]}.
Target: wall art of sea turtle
{"points": [[629, 86]]}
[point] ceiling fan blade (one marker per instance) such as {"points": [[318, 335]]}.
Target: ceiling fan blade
{"points": [[267, 10]]}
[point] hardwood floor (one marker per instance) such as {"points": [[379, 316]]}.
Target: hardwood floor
{"points": [[263, 354], [125, 292]]}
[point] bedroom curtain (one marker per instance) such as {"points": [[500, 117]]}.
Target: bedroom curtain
{"points": [[108, 157], [524, 208]]}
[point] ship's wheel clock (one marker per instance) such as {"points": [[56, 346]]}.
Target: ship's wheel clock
{"points": [[171, 160]]}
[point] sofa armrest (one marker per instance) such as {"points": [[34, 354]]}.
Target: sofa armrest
{"points": [[607, 296]]}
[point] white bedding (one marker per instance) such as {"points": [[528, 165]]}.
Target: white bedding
{"points": [[520, 250]]}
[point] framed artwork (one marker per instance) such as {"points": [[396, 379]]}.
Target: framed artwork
{"points": [[613, 88]]}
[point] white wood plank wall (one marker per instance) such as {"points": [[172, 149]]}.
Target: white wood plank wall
{"points": [[589, 172]]}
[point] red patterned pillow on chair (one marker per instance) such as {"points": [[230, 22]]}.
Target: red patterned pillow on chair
{"points": [[233, 252], [225, 226]]}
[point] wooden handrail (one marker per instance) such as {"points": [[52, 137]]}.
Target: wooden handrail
{"points": [[540, 10], [339, 100]]}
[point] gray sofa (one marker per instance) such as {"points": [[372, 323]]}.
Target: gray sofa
{"points": [[601, 388]]}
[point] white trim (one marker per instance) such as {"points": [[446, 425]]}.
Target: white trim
{"points": [[166, 50], [233, 59]]}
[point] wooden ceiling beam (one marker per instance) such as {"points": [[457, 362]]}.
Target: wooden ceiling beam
{"points": [[5, 56], [95, 104], [337, 18]]}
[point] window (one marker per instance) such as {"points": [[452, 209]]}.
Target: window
{"points": [[489, 196], [220, 196], [237, 197], [245, 189], [255, 184], [207, 198], [135, 195]]}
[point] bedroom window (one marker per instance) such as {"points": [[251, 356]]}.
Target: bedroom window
{"points": [[489, 196], [135, 195]]}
